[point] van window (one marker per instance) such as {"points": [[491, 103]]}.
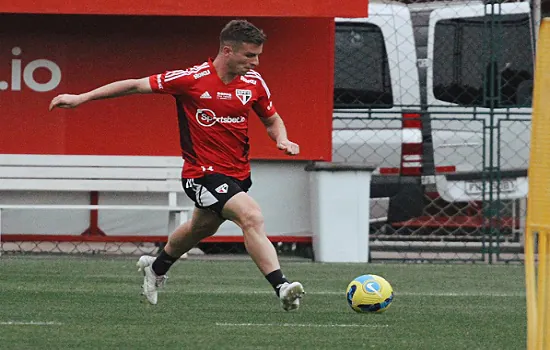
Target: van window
{"points": [[361, 74], [466, 73]]}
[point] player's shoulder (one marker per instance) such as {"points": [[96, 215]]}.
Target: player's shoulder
{"points": [[255, 78], [194, 72]]}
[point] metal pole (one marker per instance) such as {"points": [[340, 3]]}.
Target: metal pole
{"points": [[536, 11]]}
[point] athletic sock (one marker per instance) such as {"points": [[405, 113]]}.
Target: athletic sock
{"points": [[162, 263], [276, 279]]}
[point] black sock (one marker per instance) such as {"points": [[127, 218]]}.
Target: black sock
{"points": [[276, 279], [162, 263]]}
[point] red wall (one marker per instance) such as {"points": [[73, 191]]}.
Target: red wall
{"points": [[271, 8], [93, 50]]}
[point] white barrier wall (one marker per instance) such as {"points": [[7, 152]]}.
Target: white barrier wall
{"points": [[325, 201], [281, 189]]}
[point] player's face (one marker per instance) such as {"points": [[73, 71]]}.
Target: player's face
{"points": [[244, 57]]}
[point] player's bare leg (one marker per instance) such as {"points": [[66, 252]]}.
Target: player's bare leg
{"points": [[203, 223], [246, 213]]}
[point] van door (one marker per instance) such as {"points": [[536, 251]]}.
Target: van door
{"points": [[375, 89], [375, 83], [367, 111], [479, 89]]}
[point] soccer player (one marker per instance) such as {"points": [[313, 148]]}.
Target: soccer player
{"points": [[213, 102]]}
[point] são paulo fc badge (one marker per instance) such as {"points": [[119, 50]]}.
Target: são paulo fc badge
{"points": [[243, 95], [222, 188]]}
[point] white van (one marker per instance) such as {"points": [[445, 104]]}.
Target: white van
{"points": [[425, 122], [465, 83]]}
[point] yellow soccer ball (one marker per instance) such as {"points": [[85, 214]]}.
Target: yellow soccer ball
{"points": [[369, 293]]}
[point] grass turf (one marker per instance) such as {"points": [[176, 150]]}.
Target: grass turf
{"points": [[94, 303]]}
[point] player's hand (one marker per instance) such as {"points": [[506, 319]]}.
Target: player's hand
{"points": [[66, 101], [289, 147]]}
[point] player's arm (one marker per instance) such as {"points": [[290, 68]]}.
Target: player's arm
{"points": [[277, 131], [272, 120], [115, 89]]}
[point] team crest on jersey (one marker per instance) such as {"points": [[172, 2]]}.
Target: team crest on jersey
{"points": [[243, 95], [222, 188]]}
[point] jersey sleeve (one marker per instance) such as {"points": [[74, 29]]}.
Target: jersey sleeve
{"points": [[175, 82], [263, 106]]}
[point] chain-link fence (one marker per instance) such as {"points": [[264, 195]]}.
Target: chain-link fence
{"points": [[137, 247], [437, 97]]}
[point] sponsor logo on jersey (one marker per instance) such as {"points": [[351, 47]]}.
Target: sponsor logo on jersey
{"points": [[243, 95], [248, 81], [207, 117], [223, 96], [205, 95], [201, 74], [159, 81]]}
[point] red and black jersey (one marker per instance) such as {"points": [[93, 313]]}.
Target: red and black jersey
{"points": [[213, 117]]}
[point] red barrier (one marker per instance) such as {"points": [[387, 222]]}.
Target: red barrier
{"points": [[271, 8], [42, 56]]}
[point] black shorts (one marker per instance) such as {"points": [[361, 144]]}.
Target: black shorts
{"points": [[212, 191]]}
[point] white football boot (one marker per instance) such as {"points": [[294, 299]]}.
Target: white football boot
{"points": [[150, 280], [290, 295]]}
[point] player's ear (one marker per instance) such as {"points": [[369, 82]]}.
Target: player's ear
{"points": [[227, 50]]}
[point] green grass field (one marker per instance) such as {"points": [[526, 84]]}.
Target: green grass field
{"points": [[63, 302]]}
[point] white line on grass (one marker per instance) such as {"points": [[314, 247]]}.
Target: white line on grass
{"points": [[300, 325], [29, 323], [441, 294], [397, 293]]}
